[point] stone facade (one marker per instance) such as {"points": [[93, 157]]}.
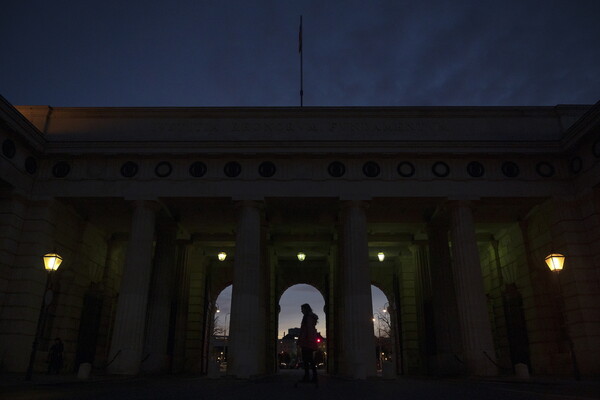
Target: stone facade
{"points": [[465, 202]]}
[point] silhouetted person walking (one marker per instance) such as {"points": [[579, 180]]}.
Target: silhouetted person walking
{"points": [[308, 341], [55, 357]]}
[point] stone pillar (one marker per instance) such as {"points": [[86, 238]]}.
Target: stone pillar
{"points": [[115, 248], [443, 301], [159, 302], [423, 302], [130, 319], [357, 325], [247, 324], [180, 307], [478, 346]]}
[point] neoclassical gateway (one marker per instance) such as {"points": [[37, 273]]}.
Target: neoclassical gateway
{"points": [[465, 203]]}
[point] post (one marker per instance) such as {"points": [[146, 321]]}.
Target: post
{"points": [[38, 330]]}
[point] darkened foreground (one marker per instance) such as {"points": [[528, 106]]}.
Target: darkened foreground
{"points": [[282, 387]]}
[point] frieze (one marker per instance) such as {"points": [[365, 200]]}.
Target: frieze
{"points": [[274, 127]]}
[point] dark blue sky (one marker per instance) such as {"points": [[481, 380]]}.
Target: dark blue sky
{"points": [[245, 53]]}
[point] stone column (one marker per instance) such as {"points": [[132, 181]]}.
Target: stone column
{"points": [[443, 300], [357, 325], [478, 345], [247, 324], [180, 307], [115, 248], [159, 302], [130, 319], [423, 302]]}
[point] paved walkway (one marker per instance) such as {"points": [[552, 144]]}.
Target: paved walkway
{"points": [[282, 386]]}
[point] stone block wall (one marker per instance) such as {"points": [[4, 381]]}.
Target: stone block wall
{"points": [[38, 228]]}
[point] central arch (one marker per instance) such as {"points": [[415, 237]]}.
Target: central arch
{"points": [[289, 320]]}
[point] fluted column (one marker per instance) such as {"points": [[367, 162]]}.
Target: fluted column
{"points": [[247, 341], [445, 314], [159, 302], [180, 307], [130, 319], [423, 300], [357, 323], [478, 345]]}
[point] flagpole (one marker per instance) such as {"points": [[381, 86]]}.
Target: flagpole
{"points": [[301, 66]]}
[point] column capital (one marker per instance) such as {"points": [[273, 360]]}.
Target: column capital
{"points": [[150, 204], [417, 245]]}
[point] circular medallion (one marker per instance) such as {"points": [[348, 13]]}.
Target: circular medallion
{"points": [[129, 169], [30, 165], [475, 169], [371, 169], [61, 169], [198, 169], [336, 169], [163, 169], [406, 169], [575, 165], [267, 169], [440, 169], [8, 148], [510, 169], [232, 169], [545, 169]]}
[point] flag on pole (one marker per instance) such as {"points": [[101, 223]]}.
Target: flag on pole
{"points": [[300, 37]]}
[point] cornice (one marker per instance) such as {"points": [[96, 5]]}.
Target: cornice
{"points": [[311, 112], [31, 136], [587, 122]]}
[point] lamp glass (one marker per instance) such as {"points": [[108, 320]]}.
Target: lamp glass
{"points": [[222, 256], [555, 261], [301, 256], [381, 256], [52, 261]]}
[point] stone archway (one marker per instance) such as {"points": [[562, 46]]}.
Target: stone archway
{"points": [[289, 322]]}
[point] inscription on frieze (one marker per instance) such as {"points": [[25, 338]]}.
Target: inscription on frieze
{"points": [[274, 127]]}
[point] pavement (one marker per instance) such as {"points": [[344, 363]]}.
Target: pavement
{"points": [[283, 386]]}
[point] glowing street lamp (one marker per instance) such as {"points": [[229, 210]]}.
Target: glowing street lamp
{"points": [[222, 256], [555, 261], [381, 256], [51, 263], [301, 256]]}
